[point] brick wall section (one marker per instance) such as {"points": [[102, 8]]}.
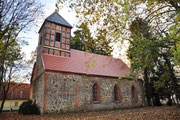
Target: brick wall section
{"points": [[45, 90], [76, 101], [48, 35], [69, 92]]}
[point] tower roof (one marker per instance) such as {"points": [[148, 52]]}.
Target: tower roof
{"points": [[57, 18]]}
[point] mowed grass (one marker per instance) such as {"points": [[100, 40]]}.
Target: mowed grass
{"points": [[145, 113]]}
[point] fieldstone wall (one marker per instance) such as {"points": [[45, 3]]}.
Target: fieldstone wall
{"points": [[37, 83], [66, 92], [38, 91]]}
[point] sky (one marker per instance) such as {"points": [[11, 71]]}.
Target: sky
{"points": [[49, 7]]}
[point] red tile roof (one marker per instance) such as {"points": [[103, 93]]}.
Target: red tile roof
{"points": [[86, 63], [18, 92]]}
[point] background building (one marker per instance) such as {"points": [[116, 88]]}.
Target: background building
{"points": [[16, 96]]}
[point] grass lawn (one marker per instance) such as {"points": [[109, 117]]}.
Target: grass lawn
{"points": [[146, 113]]}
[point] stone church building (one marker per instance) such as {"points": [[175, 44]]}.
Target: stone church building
{"points": [[68, 80]]}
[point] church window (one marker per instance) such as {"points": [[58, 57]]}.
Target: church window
{"points": [[115, 93], [134, 95], [58, 37], [96, 93]]}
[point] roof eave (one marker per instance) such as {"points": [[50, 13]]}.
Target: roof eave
{"points": [[50, 70]]}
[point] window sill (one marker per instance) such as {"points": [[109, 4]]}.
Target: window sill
{"points": [[96, 102], [117, 101]]}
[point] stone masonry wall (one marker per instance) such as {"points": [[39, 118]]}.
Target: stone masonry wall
{"points": [[66, 92], [38, 91], [37, 83]]}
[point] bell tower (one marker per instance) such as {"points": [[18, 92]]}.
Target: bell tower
{"points": [[54, 36]]}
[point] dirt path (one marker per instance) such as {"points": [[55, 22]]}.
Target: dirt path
{"points": [[146, 113]]}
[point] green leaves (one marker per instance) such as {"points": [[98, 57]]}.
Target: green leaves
{"points": [[176, 57], [83, 40]]}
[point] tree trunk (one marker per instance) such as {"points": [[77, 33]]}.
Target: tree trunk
{"points": [[2, 104], [156, 100], [177, 99], [4, 95], [169, 103], [3, 101], [174, 80], [147, 87]]}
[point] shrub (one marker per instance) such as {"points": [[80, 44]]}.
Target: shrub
{"points": [[169, 103], [27, 108]]}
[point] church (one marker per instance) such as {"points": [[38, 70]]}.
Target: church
{"points": [[69, 80]]}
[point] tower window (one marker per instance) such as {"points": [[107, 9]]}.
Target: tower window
{"points": [[58, 37], [40, 40]]}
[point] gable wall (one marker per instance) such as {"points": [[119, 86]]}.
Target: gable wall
{"points": [[37, 84], [72, 92], [38, 91]]}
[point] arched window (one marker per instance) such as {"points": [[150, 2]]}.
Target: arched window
{"points": [[96, 92], [117, 93], [134, 95]]}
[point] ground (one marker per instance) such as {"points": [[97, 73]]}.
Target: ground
{"points": [[146, 113]]}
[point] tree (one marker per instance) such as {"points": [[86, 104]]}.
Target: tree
{"points": [[76, 42], [143, 53], [28, 66], [84, 41], [116, 17], [162, 84], [11, 64], [177, 54], [152, 55], [15, 16]]}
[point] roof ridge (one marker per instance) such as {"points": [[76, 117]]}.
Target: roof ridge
{"points": [[61, 16], [98, 54]]}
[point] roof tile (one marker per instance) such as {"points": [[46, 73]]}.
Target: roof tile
{"points": [[57, 18], [18, 92], [86, 63]]}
